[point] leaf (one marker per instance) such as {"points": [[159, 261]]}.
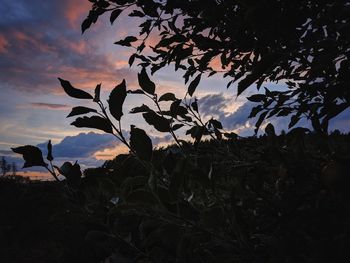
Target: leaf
{"points": [[216, 124], [177, 126], [270, 130], [49, 156], [177, 109], [158, 122], [132, 59], [137, 13], [116, 100], [167, 97], [194, 105], [32, 155], [80, 110], [95, 122], [145, 83], [137, 91], [86, 24], [257, 98], [73, 92], [294, 120], [231, 135], [71, 171], [255, 111], [115, 14], [141, 143], [260, 120], [126, 42], [245, 83], [193, 85], [143, 108], [97, 93]]}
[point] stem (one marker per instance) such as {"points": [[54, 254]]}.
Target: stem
{"points": [[52, 173]]}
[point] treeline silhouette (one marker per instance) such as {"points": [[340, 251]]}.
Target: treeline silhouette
{"points": [[268, 199]]}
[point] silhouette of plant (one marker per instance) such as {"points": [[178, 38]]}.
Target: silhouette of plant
{"points": [[301, 44], [230, 199]]}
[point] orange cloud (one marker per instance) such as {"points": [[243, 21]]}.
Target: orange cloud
{"points": [[41, 176], [23, 39], [49, 106], [3, 44], [80, 47], [111, 153], [75, 10]]}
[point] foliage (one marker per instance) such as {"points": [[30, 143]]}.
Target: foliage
{"points": [[235, 200], [230, 199], [269, 199], [302, 44]]}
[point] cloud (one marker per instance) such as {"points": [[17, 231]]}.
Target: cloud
{"points": [[75, 10], [40, 45], [3, 44], [49, 106], [82, 145]]}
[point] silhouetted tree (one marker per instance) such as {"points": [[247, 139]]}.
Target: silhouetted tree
{"points": [[302, 44], [4, 166]]}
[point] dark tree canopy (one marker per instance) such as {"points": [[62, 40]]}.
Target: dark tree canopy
{"points": [[304, 44]]}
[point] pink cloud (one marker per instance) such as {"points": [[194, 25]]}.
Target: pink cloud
{"points": [[75, 11], [3, 44], [23, 40], [49, 106]]}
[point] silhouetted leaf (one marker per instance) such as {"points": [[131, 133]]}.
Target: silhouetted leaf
{"points": [[215, 123], [194, 105], [260, 120], [231, 135], [71, 171], [97, 93], [126, 42], [137, 91], [257, 98], [193, 85], [80, 110], [137, 13], [95, 122], [49, 156], [158, 122], [177, 126], [132, 59], [143, 108], [270, 130], [177, 109], [73, 92], [167, 97], [141, 143], [294, 120], [255, 111], [145, 83], [86, 24], [32, 155], [115, 14], [116, 100]]}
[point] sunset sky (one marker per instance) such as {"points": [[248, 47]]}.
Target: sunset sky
{"points": [[41, 41]]}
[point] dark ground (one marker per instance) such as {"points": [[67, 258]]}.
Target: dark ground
{"points": [[292, 202]]}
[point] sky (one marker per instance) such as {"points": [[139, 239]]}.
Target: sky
{"points": [[41, 41]]}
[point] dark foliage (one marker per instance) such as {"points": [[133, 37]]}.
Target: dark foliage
{"points": [[304, 44], [269, 199]]}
